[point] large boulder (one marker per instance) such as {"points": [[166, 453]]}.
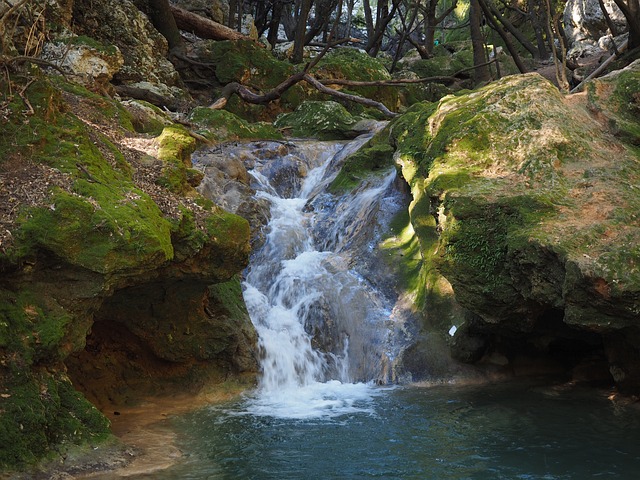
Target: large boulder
{"points": [[527, 206]]}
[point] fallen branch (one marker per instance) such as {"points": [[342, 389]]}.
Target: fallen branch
{"points": [[351, 98], [203, 27], [602, 67], [250, 97]]}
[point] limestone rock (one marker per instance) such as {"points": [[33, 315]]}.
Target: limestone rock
{"points": [[121, 24], [585, 22], [90, 65], [528, 207]]}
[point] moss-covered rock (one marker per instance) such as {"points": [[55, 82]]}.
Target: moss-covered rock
{"points": [[375, 156], [222, 126], [84, 220], [322, 120], [356, 65], [248, 63], [617, 98], [523, 225]]}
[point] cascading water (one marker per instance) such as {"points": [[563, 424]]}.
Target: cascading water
{"points": [[321, 325]]}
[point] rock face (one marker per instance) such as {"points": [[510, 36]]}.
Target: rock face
{"points": [[121, 24], [116, 277], [584, 20], [527, 206]]}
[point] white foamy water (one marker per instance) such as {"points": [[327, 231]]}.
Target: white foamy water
{"points": [[306, 305]]}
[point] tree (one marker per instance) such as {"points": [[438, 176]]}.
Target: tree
{"points": [[376, 29], [631, 10], [481, 72], [160, 15]]}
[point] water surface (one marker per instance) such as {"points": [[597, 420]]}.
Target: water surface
{"points": [[507, 431]]}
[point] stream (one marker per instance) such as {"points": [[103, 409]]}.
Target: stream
{"points": [[330, 331]]}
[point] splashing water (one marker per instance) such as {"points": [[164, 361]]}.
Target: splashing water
{"points": [[319, 323]]}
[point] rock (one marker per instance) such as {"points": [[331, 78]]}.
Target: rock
{"points": [[217, 10], [534, 227], [585, 22], [92, 65], [223, 126], [146, 118], [321, 120], [98, 238], [121, 24]]}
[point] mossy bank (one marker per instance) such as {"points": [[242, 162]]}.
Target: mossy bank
{"points": [[117, 279]]}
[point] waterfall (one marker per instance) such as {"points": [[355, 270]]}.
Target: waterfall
{"points": [[322, 326]]}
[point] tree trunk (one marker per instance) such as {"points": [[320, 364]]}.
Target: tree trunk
{"points": [[368, 18], [524, 41], [537, 20], [301, 30], [481, 73], [631, 11], [384, 16], [162, 18], [496, 26], [203, 27], [274, 24]]}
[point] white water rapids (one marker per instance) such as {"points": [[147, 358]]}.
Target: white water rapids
{"points": [[322, 327]]}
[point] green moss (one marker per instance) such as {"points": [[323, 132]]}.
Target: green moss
{"points": [[222, 126], [97, 231], [228, 230], [229, 295], [176, 143], [100, 106], [375, 156], [176, 147], [322, 120], [42, 414], [352, 64]]}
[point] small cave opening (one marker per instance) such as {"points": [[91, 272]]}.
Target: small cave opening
{"points": [[165, 339], [554, 347], [117, 369]]}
